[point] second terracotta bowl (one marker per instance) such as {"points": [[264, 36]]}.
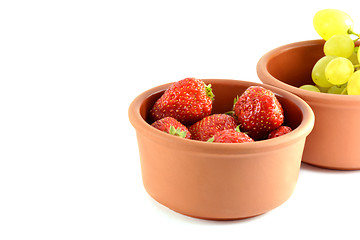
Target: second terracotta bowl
{"points": [[335, 139], [217, 180]]}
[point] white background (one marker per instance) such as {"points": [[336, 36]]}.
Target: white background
{"points": [[69, 163]]}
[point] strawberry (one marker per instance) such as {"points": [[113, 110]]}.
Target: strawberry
{"points": [[279, 132], [172, 126], [258, 112], [230, 136], [208, 126], [187, 100]]}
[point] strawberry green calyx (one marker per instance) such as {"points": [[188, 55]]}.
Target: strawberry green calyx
{"points": [[210, 139], [237, 129], [177, 132], [209, 92], [230, 113], [235, 101]]}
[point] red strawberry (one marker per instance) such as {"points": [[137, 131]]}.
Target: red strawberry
{"points": [[259, 112], [187, 100], [230, 136], [172, 126], [279, 132], [208, 126]]}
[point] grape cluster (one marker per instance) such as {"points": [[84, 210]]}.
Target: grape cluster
{"points": [[338, 71]]}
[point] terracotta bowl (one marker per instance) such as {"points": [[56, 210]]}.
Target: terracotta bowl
{"points": [[221, 181], [335, 139]]}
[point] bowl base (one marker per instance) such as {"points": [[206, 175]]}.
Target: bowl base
{"points": [[204, 217], [221, 219], [331, 167]]}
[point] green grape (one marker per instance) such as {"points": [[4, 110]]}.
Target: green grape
{"points": [[328, 22], [310, 88], [353, 87], [354, 59], [337, 89], [339, 45], [339, 70], [323, 89], [318, 72]]}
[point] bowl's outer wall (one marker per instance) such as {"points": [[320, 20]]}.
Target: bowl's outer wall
{"points": [[334, 141], [219, 185]]}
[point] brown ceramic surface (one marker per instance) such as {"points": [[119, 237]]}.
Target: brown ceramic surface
{"points": [[217, 180], [335, 139]]}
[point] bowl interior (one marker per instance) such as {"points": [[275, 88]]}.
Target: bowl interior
{"points": [[225, 92], [293, 66]]}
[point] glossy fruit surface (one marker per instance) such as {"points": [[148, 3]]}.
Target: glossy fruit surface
{"points": [[339, 70], [282, 130], [208, 126], [258, 112], [172, 126], [188, 101], [328, 22]]}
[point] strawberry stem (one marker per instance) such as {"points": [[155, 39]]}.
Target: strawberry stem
{"points": [[209, 92], [235, 101], [177, 132], [231, 113], [210, 139]]}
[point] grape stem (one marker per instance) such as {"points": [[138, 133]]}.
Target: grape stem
{"points": [[351, 32], [358, 35], [356, 67], [344, 91]]}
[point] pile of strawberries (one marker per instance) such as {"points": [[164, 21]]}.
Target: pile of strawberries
{"points": [[185, 109]]}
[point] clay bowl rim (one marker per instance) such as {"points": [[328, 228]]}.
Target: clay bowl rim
{"points": [[303, 130], [263, 73]]}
